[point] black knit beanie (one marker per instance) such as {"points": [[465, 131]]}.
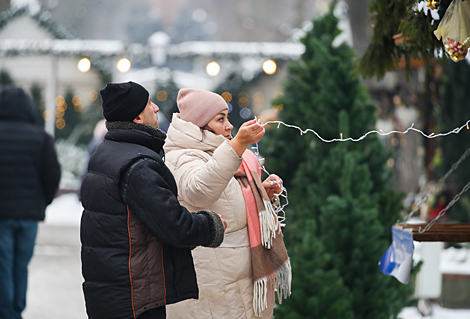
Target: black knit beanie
{"points": [[123, 101]]}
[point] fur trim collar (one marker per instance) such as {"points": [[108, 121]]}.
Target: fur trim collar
{"points": [[136, 126]]}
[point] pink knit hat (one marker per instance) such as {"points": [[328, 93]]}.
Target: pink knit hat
{"points": [[198, 106]]}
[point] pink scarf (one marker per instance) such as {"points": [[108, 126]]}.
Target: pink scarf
{"points": [[271, 265]]}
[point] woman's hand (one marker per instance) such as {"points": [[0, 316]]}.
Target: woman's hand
{"points": [[272, 185], [249, 133]]}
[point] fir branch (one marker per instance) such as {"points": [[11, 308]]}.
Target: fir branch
{"points": [[393, 17]]}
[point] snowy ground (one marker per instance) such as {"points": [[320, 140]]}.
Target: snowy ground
{"points": [[438, 313], [66, 210]]}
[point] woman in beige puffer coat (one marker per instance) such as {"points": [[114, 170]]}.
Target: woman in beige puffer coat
{"points": [[204, 164]]}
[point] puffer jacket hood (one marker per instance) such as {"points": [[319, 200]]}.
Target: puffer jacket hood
{"points": [[15, 104]]}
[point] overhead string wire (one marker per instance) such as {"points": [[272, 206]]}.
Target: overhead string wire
{"points": [[279, 207], [380, 132]]}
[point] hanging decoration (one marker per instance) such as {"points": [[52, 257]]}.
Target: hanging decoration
{"points": [[454, 29], [398, 259], [433, 4]]}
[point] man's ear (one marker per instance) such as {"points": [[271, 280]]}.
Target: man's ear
{"points": [[138, 120]]}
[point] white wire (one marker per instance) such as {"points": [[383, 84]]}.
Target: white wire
{"points": [[341, 139]]}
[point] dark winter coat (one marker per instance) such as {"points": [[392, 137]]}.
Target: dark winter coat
{"points": [[136, 237], [29, 170]]}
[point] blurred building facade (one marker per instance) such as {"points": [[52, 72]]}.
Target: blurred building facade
{"points": [[175, 42]]}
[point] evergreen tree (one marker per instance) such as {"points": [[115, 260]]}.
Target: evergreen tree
{"points": [[91, 115], [453, 110], [68, 115], [5, 79], [343, 188], [401, 18], [36, 96]]}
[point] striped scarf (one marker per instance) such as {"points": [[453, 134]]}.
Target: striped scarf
{"points": [[271, 265]]}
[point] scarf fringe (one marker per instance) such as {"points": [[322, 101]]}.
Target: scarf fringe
{"points": [[266, 287], [269, 224]]}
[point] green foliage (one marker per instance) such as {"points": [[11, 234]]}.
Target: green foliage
{"points": [[165, 98], [341, 203], [5, 79], [393, 17], [88, 119], [451, 112], [36, 96], [318, 292], [70, 115]]}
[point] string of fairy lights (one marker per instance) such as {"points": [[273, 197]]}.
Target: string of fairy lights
{"points": [[281, 199], [380, 132]]}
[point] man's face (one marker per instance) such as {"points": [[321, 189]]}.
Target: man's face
{"points": [[149, 115]]}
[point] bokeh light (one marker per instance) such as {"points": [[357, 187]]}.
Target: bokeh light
{"points": [[59, 112], [269, 67], [245, 113], [93, 95], [162, 95], [59, 101], [227, 97], [78, 108], [123, 65], [77, 100], [60, 123], [84, 65], [243, 99], [213, 68], [47, 115]]}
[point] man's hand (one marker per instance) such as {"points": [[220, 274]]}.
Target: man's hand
{"points": [[223, 221]]}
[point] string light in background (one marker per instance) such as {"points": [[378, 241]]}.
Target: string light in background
{"points": [[213, 68], [123, 65], [84, 65], [269, 67]]}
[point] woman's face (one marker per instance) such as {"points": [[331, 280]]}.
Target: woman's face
{"points": [[220, 125]]}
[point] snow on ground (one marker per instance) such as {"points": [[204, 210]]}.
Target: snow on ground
{"points": [[66, 210], [438, 313], [455, 261]]}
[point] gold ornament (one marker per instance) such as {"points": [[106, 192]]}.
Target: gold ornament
{"points": [[433, 4]]}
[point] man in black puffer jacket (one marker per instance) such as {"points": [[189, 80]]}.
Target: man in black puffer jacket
{"points": [[136, 237], [29, 178]]}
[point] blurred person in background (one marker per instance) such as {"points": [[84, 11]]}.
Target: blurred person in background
{"points": [[136, 237], [215, 171], [441, 201], [29, 179], [98, 136]]}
